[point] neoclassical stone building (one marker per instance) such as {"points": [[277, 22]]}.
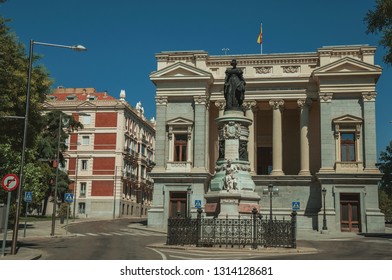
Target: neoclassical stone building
{"points": [[313, 129]]}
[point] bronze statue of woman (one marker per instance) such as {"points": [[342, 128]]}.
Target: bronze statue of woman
{"points": [[234, 87]]}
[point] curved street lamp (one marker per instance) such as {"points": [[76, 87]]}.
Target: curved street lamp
{"points": [[26, 119]]}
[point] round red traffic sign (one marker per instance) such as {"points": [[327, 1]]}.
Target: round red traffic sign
{"points": [[10, 182]]}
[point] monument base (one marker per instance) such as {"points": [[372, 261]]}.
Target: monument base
{"points": [[231, 204]]}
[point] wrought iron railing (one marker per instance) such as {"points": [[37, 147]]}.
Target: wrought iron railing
{"points": [[243, 231]]}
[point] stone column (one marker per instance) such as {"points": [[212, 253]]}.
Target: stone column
{"points": [[160, 134], [199, 139], [221, 104], [249, 106], [277, 140], [304, 105], [369, 131], [327, 135]]}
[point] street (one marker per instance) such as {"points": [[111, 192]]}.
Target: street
{"points": [[123, 240]]}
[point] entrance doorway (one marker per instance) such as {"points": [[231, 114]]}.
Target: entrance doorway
{"points": [[350, 212], [178, 204]]}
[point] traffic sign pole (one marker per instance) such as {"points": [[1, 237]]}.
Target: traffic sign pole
{"points": [[9, 183], [6, 224]]}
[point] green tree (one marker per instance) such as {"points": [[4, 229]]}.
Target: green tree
{"points": [[385, 187], [13, 90], [47, 147], [385, 166], [378, 21]]}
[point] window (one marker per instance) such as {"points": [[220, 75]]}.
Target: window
{"points": [[71, 97], [82, 208], [83, 187], [85, 140], [84, 164], [347, 146], [179, 140], [86, 119], [180, 147]]}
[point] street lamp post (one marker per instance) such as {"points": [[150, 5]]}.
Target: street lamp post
{"points": [[324, 191], [270, 190], [188, 192], [26, 117], [57, 175]]}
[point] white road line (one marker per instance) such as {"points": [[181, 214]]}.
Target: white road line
{"points": [[92, 234], [164, 258], [117, 233]]}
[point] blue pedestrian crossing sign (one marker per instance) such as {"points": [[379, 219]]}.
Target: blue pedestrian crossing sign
{"points": [[28, 198], [295, 205], [197, 203], [68, 197]]}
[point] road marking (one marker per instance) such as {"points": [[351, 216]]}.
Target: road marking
{"points": [[117, 233], [92, 234], [164, 258]]}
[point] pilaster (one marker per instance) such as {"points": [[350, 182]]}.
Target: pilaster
{"points": [[369, 128], [160, 134], [200, 140], [327, 136]]}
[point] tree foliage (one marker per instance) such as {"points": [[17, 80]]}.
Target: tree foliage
{"points": [[43, 129], [385, 190], [385, 166], [378, 21]]}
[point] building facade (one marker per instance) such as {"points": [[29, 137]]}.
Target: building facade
{"points": [[313, 134], [109, 160]]}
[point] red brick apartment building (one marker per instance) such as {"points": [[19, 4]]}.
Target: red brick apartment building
{"points": [[109, 160]]}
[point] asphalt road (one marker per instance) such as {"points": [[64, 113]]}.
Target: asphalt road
{"points": [[104, 240], [119, 240]]}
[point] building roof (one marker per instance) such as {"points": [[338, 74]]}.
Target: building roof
{"points": [[80, 94]]}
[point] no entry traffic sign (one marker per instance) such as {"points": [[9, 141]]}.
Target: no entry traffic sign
{"points": [[10, 182]]}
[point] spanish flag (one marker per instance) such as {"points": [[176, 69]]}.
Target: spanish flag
{"points": [[260, 38]]}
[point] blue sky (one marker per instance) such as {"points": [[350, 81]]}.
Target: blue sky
{"points": [[123, 37]]}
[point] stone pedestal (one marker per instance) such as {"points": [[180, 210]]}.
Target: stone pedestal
{"points": [[231, 191]]}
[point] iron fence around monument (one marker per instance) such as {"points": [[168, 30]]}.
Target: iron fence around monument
{"points": [[253, 231]]}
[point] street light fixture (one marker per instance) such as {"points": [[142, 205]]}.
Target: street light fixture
{"points": [[324, 191], [26, 118]]}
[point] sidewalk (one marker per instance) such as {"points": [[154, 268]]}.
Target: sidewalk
{"points": [[36, 229]]}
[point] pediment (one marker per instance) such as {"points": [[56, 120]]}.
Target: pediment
{"points": [[179, 122], [180, 70], [47, 105], [86, 104], [347, 65], [347, 119]]}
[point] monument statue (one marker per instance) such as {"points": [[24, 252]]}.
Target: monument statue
{"points": [[234, 87], [230, 181]]}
